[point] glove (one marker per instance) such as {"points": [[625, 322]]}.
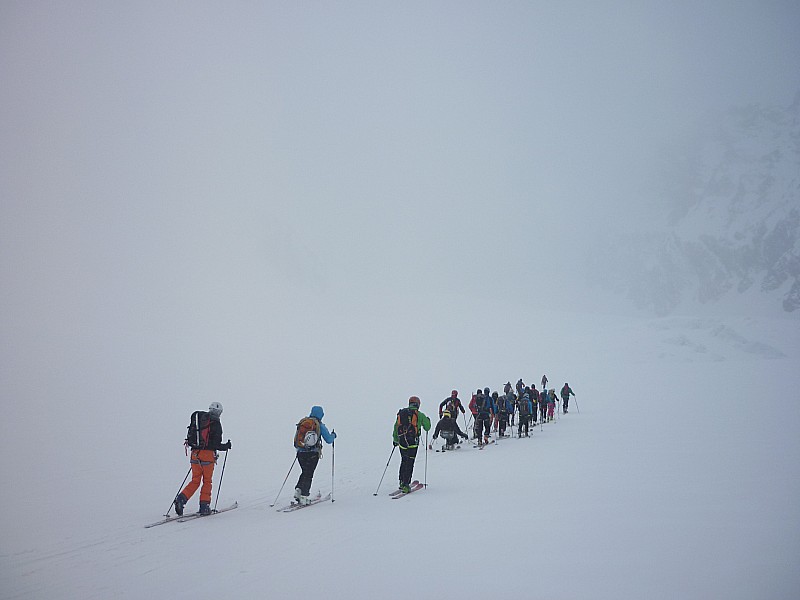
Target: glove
{"points": [[430, 446], [394, 443], [227, 446], [333, 434]]}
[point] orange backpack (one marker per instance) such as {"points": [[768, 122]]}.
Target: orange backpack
{"points": [[407, 430], [307, 435]]}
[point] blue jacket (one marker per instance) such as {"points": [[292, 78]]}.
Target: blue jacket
{"points": [[318, 413]]}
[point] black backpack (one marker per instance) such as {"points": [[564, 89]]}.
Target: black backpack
{"points": [[502, 405], [482, 404], [198, 430], [407, 432]]}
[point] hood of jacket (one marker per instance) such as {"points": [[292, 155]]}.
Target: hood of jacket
{"points": [[317, 412]]}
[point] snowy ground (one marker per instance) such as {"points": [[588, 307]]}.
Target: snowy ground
{"points": [[677, 479]]}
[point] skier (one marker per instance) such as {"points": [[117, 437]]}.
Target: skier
{"points": [[308, 455], [504, 408], [450, 431], [202, 461], [509, 392], [452, 404], [551, 404], [406, 437], [533, 394], [544, 381], [542, 405], [483, 420], [525, 409], [496, 409], [566, 392], [473, 408]]}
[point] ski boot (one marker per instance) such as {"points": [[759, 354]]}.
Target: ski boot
{"points": [[180, 502], [304, 500], [405, 488], [205, 508], [297, 494]]}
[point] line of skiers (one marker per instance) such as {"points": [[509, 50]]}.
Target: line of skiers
{"points": [[492, 411], [488, 410], [204, 436]]}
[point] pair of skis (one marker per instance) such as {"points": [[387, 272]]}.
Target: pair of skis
{"points": [[295, 505], [442, 449], [414, 487], [482, 446], [192, 516]]}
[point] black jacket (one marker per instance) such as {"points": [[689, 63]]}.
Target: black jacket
{"points": [[448, 425], [456, 405], [215, 435]]}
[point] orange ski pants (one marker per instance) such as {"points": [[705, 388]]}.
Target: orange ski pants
{"points": [[203, 462]]}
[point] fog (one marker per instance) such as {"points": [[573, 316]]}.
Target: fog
{"points": [[207, 201]]}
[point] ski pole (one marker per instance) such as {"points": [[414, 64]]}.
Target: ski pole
{"points": [[425, 481], [333, 462], [219, 487], [285, 480], [384, 471], [166, 514], [575, 400]]}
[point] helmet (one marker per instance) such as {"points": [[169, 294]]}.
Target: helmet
{"points": [[414, 401], [446, 413], [454, 393], [486, 391], [215, 408]]}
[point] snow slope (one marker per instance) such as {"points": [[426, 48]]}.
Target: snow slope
{"points": [[677, 479]]}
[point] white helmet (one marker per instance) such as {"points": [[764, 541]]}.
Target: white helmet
{"points": [[215, 409]]}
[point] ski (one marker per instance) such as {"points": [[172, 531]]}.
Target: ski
{"points": [[297, 506], [197, 515], [189, 517], [166, 519], [398, 493], [415, 486]]}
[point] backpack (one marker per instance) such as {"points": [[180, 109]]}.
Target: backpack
{"points": [[198, 430], [407, 430], [307, 435], [502, 405], [523, 406], [482, 404]]}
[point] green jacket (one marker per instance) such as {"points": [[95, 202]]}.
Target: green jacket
{"points": [[423, 422]]}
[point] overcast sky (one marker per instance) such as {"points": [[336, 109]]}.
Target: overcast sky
{"points": [[185, 162]]}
